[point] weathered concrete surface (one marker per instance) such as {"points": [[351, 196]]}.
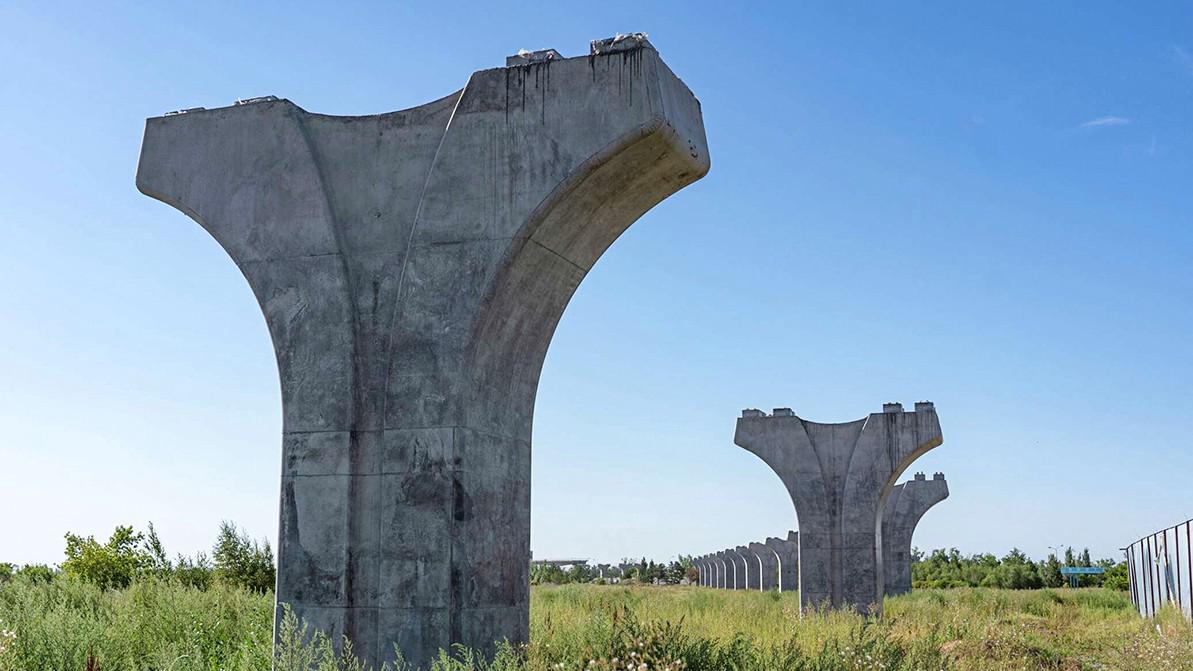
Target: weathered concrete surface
{"points": [[838, 477], [741, 566], [768, 566], [904, 507], [412, 267], [732, 568], [788, 552], [751, 562]]}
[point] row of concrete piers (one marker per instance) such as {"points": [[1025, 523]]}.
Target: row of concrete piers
{"points": [[856, 524], [770, 565]]}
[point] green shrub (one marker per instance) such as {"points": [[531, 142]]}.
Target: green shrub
{"points": [[1117, 578], [242, 561], [108, 565], [36, 573], [197, 573]]}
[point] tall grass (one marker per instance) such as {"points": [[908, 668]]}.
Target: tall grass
{"points": [[149, 625], [168, 627]]}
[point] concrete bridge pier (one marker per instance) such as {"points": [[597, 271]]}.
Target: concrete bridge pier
{"points": [[768, 566], [787, 550], [412, 267], [751, 561], [733, 571], [839, 477], [904, 508]]}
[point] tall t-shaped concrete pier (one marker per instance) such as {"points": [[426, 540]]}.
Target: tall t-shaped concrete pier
{"points": [[412, 267], [904, 507], [839, 476]]}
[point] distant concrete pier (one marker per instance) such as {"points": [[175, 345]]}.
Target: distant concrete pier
{"points": [[838, 477]]}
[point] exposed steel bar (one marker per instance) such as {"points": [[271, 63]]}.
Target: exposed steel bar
{"points": [[1189, 562], [1164, 568], [1151, 580], [1177, 551], [1131, 578]]}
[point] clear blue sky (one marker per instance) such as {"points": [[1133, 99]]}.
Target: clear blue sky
{"points": [[987, 206]]}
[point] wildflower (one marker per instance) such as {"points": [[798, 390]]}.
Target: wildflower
{"points": [[6, 638]]}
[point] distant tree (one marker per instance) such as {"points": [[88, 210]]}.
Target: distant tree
{"points": [[109, 565], [948, 568], [1016, 571], [197, 572], [6, 571], [242, 561], [1116, 577], [676, 571], [1050, 574], [547, 574], [579, 573], [36, 573], [155, 554]]}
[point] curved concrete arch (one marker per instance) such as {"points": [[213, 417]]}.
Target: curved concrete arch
{"points": [[732, 572], [839, 476], [768, 566], [741, 568], [902, 513], [787, 551], [723, 572], [412, 267], [750, 559]]}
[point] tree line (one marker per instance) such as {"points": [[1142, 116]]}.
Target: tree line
{"points": [[239, 560], [939, 569], [128, 555], [949, 568], [642, 571]]}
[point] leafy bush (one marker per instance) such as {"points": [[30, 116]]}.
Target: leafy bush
{"points": [[1117, 578], [197, 572], [110, 565], [36, 573]]}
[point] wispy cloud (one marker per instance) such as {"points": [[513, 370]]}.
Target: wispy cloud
{"points": [[1183, 57], [1106, 121]]}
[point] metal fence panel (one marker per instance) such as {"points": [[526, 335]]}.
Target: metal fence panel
{"points": [[1160, 567]]}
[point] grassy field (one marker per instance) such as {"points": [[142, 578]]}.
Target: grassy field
{"points": [[163, 626]]}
